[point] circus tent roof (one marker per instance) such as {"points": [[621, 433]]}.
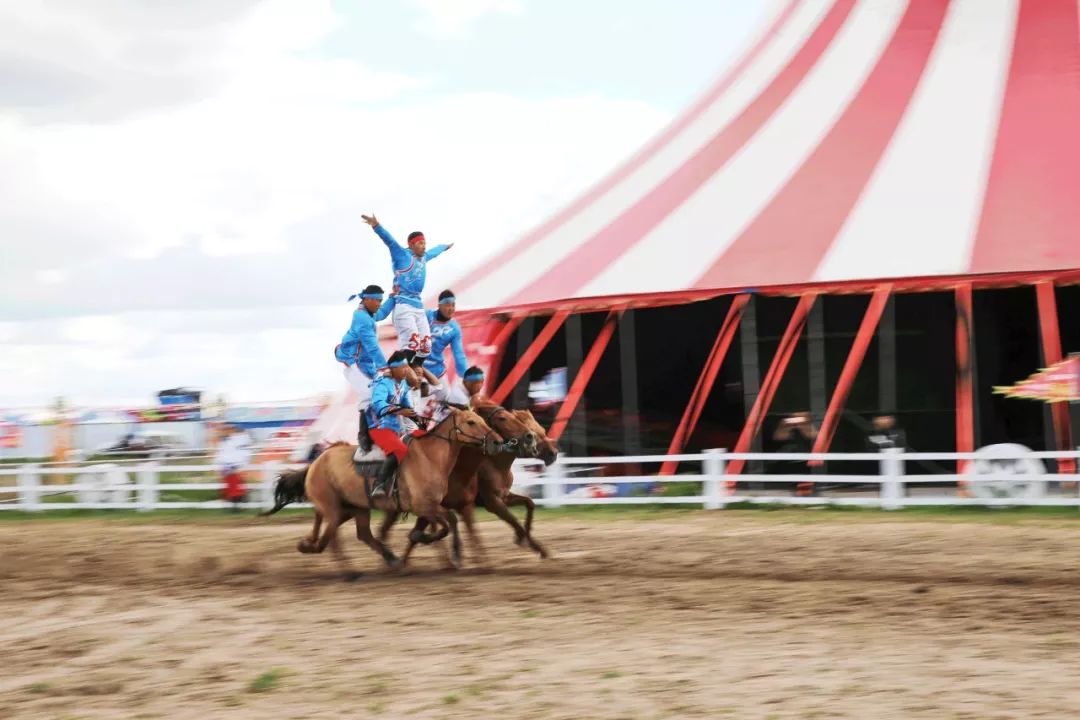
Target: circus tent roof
{"points": [[853, 140]]}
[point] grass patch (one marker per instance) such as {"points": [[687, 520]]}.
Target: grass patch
{"points": [[38, 688], [450, 699], [266, 682], [614, 513], [530, 613], [681, 489], [610, 675]]}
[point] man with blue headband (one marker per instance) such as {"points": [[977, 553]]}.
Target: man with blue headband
{"points": [[410, 273], [473, 380], [445, 334], [390, 404], [361, 355]]}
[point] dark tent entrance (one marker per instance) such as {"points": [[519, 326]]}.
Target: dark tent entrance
{"points": [[651, 359]]}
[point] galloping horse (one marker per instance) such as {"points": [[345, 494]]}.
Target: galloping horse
{"points": [[479, 479], [332, 484]]}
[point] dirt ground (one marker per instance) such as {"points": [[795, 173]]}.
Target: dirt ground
{"points": [[729, 615]]}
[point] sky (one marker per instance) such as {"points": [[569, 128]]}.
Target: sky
{"points": [[181, 183]]}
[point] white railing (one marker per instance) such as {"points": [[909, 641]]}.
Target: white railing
{"points": [[1005, 480]]}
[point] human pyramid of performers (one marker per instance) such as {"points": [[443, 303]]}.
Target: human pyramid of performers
{"points": [[400, 395]]}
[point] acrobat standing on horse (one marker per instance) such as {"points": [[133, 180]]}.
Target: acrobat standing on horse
{"points": [[410, 273]]}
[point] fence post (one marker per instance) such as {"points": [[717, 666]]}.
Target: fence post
{"points": [[892, 478], [147, 475], [117, 484], [29, 488], [714, 466], [554, 476], [270, 472]]}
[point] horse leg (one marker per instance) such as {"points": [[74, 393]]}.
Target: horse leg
{"points": [[334, 516], [335, 546], [513, 499], [307, 544], [363, 533], [496, 506], [447, 521], [476, 548], [416, 535], [388, 522], [455, 539]]}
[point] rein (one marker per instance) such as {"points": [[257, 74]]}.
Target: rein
{"points": [[481, 441]]}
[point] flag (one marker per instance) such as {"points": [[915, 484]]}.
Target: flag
{"points": [[1058, 383]]}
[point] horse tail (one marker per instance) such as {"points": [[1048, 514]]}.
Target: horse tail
{"points": [[288, 489]]}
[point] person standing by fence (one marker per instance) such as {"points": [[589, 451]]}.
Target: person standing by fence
{"points": [[234, 455]]}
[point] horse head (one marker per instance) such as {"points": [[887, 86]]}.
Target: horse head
{"points": [[521, 440], [546, 449], [469, 429]]}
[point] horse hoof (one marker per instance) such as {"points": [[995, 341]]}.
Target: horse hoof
{"points": [[394, 563], [305, 546], [519, 540]]}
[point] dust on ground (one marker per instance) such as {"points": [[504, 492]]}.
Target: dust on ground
{"points": [[729, 615]]}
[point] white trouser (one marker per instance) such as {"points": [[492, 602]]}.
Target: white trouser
{"points": [[412, 327], [443, 393], [361, 383]]}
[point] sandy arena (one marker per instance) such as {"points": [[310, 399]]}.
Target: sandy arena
{"points": [[738, 614]]}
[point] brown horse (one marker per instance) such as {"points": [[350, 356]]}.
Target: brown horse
{"points": [[332, 484], [485, 480]]}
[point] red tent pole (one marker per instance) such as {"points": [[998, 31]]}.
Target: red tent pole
{"points": [[1051, 343], [705, 381], [965, 392], [854, 362], [499, 342], [581, 380], [772, 379], [529, 356]]}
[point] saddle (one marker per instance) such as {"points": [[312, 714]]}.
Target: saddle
{"points": [[368, 468]]}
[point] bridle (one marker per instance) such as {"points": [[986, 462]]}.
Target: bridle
{"points": [[493, 411], [480, 441]]}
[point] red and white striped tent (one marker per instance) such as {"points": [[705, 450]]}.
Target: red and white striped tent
{"points": [[872, 146]]}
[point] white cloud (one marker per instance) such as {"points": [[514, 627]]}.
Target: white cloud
{"points": [[449, 17], [248, 195], [52, 276], [127, 358]]}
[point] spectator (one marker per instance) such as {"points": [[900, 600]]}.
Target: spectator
{"points": [[233, 455], [796, 432], [885, 434]]}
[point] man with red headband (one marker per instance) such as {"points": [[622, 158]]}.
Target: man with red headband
{"points": [[410, 272]]}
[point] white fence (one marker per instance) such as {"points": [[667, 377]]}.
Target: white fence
{"points": [[1016, 477]]}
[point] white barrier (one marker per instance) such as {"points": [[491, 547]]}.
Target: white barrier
{"points": [[107, 486]]}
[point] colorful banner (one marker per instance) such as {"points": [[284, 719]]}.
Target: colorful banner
{"points": [[1058, 383], [10, 435]]}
